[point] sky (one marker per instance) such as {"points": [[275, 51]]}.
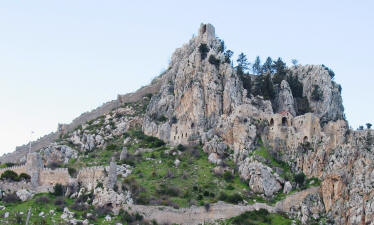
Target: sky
{"points": [[59, 59]]}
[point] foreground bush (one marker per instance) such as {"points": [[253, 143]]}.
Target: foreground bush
{"points": [[10, 175]]}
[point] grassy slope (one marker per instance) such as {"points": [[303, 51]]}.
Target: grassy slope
{"points": [[15, 208]]}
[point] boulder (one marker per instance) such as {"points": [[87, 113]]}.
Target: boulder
{"points": [[287, 187], [262, 179], [24, 194]]}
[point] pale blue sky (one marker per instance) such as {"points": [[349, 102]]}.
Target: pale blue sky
{"points": [[61, 58]]}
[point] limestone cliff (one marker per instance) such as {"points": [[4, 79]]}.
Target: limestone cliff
{"points": [[201, 99]]}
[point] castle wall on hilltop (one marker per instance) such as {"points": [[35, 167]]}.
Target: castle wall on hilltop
{"points": [[45, 178], [18, 155]]}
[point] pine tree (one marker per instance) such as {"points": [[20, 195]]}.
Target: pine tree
{"points": [[280, 69], [256, 67], [243, 64], [267, 67]]}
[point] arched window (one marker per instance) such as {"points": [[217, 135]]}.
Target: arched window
{"points": [[305, 139], [284, 121], [271, 122]]}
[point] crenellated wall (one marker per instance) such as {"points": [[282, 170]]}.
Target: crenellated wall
{"points": [[88, 177], [49, 177], [17, 169]]}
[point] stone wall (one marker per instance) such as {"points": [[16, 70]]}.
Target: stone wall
{"points": [[90, 177], [17, 169], [43, 142], [49, 177]]}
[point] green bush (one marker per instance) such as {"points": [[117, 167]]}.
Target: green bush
{"points": [[9, 175], [180, 147], [254, 217], [228, 176], [72, 172], [214, 61], [331, 73], [234, 199], [42, 200], [300, 178], [203, 49], [24, 176], [58, 190], [111, 147]]}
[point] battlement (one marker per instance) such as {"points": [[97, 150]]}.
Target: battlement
{"points": [[54, 170], [17, 169], [41, 176]]}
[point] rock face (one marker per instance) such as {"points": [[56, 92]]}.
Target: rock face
{"points": [[200, 99], [262, 179], [331, 105], [285, 101], [24, 195], [58, 153], [194, 93], [204, 102]]}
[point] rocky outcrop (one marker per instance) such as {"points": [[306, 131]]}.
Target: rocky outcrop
{"points": [[284, 101], [194, 92], [58, 153], [262, 179], [24, 194], [200, 99], [330, 107]]}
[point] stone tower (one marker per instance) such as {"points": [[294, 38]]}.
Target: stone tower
{"points": [[112, 176], [33, 165]]}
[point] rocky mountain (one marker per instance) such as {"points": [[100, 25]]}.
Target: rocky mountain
{"points": [[203, 132]]}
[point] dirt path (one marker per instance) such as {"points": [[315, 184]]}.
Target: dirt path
{"points": [[220, 210], [196, 215]]}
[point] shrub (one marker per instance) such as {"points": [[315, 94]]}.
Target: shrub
{"points": [[24, 176], [235, 198], [228, 54], [9, 175], [203, 49], [214, 61], [180, 147], [111, 147], [296, 86], [261, 216], [300, 178], [173, 120], [331, 73], [168, 190], [72, 172], [11, 198], [103, 211], [60, 201], [58, 190], [42, 200], [227, 175], [79, 206], [99, 185], [54, 165]]}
